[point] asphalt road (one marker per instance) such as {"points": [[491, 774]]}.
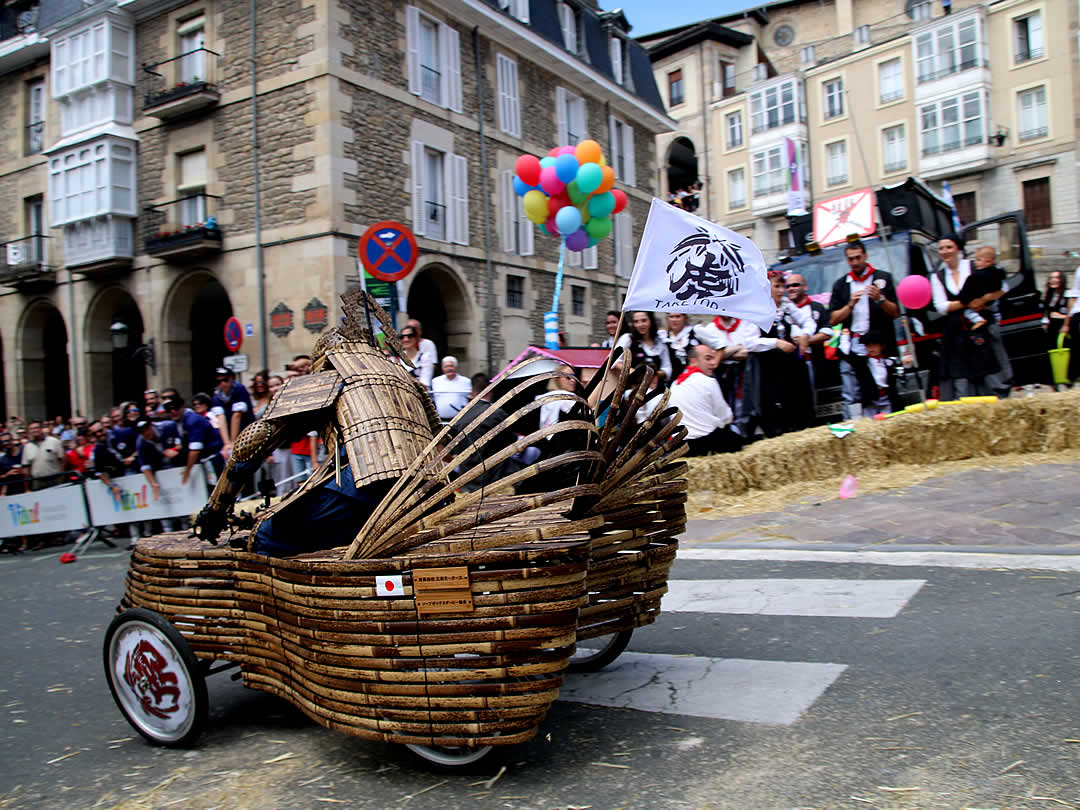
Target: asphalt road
{"points": [[918, 687]]}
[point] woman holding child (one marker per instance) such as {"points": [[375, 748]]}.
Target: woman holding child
{"points": [[966, 355]]}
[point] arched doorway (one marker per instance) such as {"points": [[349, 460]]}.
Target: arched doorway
{"points": [[682, 165], [438, 300], [43, 342], [114, 373], [193, 333]]}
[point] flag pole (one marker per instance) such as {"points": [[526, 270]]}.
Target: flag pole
{"points": [[606, 367], [888, 263]]}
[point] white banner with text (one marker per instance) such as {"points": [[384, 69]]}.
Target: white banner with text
{"points": [[137, 500], [56, 509]]}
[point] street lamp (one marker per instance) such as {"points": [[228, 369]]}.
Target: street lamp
{"points": [[119, 333]]}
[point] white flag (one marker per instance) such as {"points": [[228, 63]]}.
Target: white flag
{"points": [[690, 265], [388, 585]]}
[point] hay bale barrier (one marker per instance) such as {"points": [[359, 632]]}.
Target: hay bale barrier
{"points": [[1047, 423]]}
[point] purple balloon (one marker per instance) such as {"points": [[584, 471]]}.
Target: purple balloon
{"points": [[550, 182], [578, 240]]}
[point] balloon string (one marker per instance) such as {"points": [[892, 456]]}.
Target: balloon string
{"points": [[558, 276]]}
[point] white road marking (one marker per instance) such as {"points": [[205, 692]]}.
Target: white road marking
{"points": [[848, 598], [930, 559], [721, 688]]}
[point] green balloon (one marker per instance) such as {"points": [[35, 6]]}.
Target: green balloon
{"points": [[589, 177], [601, 205], [577, 196], [598, 227]]}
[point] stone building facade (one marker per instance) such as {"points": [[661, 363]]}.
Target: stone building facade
{"points": [[983, 95], [365, 111]]}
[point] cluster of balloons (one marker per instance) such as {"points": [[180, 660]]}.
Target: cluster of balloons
{"points": [[570, 193]]}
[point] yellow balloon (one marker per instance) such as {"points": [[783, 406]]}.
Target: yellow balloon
{"points": [[602, 160], [535, 204], [584, 209]]}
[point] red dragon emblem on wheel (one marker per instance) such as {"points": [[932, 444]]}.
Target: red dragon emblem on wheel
{"points": [[145, 671]]}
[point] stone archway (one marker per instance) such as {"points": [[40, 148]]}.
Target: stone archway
{"points": [[113, 375], [192, 337], [681, 164], [43, 357], [438, 299]]}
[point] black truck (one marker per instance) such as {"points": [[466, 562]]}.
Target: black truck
{"points": [[913, 220]]}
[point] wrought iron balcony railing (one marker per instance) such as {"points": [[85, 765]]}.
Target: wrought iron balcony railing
{"points": [[183, 84], [24, 262], [187, 226]]}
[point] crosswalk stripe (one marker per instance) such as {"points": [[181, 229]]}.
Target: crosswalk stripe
{"points": [[930, 559], [776, 692], [869, 599]]}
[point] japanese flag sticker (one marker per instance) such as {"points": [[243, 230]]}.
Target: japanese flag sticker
{"points": [[389, 585]]}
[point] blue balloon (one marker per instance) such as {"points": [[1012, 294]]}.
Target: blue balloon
{"points": [[566, 167], [520, 188], [568, 219], [546, 161]]}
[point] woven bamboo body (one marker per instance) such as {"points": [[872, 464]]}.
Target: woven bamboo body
{"points": [[312, 630]]}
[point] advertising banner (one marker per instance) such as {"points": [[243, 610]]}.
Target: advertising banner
{"points": [[136, 500], [57, 509]]}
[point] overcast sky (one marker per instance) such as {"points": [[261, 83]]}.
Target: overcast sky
{"points": [[647, 16]]}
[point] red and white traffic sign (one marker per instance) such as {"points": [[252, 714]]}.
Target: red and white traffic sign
{"points": [[234, 335], [852, 213], [388, 251]]}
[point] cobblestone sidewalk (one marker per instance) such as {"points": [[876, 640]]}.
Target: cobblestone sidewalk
{"points": [[1029, 508]]}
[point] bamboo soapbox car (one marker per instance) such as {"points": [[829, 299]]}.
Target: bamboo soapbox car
{"points": [[448, 624]]}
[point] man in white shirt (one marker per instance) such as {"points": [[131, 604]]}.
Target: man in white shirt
{"points": [[43, 455], [429, 355], [705, 414], [450, 390]]}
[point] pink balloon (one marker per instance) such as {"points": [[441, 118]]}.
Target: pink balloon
{"points": [[567, 150], [553, 229], [550, 182], [914, 291], [849, 487]]}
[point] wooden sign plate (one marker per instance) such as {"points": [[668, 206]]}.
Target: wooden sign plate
{"points": [[429, 602], [440, 579]]}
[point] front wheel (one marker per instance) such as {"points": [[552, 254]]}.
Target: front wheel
{"points": [[594, 659], [155, 679], [450, 757]]}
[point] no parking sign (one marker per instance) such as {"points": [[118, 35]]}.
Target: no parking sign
{"points": [[388, 251], [234, 335]]}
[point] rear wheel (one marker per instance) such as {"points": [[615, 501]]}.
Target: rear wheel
{"points": [[450, 757], [595, 658], [155, 679]]}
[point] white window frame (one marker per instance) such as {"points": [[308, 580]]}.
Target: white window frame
{"points": [[192, 38], [1022, 28], [623, 244], [621, 137], [769, 169], [569, 105], [733, 201], [517, 232], [192, 189], [453, 182], [833, 98], [760, 72], [922, 11], [518, 9], [35, 115], [939, 52], [954, 112], [837, 171], [574, 289], [1033, 119], [862, 35], [509, 98], [890, 86], [808, 55], [92, 180], [761, 105], [894, 145], [520, 293], [100, 51], [619, 62], [733, 130], [448, 56], [569, 26]]}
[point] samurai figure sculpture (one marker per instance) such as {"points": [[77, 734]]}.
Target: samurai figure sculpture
{"points": [[374, 418]]}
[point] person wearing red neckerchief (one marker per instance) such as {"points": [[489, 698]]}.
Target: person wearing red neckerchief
{"points": [[821, 373], [863, 300], [705, 414]]}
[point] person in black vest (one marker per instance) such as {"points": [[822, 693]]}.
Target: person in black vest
{"points": [[862, 300], [821, 372], [680, 339]]}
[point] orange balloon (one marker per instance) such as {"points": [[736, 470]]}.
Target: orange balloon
{"points": [[609, 180], [588, 151]]}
